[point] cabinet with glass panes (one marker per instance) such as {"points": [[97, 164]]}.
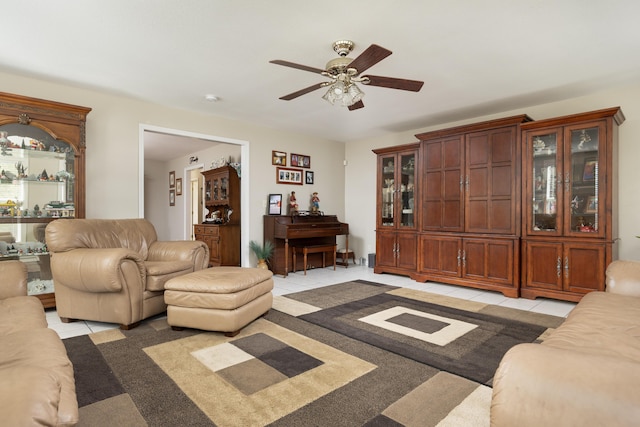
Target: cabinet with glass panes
{"points": [[42, 145], [569, 220], [397, 209]]}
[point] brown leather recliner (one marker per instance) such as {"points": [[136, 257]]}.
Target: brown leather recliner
{"points": [[114, 270]]}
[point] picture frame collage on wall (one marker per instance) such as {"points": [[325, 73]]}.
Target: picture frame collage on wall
{"points": [[292, 175]]}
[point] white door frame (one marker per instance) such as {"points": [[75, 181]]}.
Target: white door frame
{"points": [[244, 182]]}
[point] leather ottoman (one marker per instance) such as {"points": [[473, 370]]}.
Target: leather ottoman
{"points": [[224, 299]]}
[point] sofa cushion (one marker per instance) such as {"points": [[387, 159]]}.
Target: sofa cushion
{"points": [[43, 348], [21, 314], [602, 324], [159, 272], [29, 396]]}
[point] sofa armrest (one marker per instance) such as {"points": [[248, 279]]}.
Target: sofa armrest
{"points": [[623, 277], [95, 270], [180, 250], [14, 279], [540, 385]]}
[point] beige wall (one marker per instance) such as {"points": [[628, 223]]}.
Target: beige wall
{"points": [[113, 148], [349, 192], [361, 169]]}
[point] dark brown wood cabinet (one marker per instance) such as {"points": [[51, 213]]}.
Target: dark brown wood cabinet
{"points": [[397, 209], [43, 178], [470, 224], [569, 224], [223, 242], [221, 229], [526, 208]]}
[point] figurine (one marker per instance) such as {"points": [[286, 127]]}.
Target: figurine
{"points": [[315, 202], [293, 205]]}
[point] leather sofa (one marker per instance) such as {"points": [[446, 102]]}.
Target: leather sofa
{"points": [[37, 385], [114, 270], [586, 372]]}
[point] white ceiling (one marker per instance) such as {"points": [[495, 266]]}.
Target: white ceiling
{"points": [[475, 57]]}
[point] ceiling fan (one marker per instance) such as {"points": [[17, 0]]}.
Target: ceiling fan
{"points": [[344, 73]]}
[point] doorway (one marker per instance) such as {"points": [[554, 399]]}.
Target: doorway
{"points": [[186, 204]]}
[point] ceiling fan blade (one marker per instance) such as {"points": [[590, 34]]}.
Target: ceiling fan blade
{"points": [[393, 83], [355, 106], [370, 57], [297, 66], [302, 92]]}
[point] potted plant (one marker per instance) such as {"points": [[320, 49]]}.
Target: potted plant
{"points": [[262, 252]]}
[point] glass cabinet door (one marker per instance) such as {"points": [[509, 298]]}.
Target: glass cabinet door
{"points": [[37, 185], [544, 169], [208, 188], [582, 177], [407, 176], [224, 185], [388, 174], [397, 189], [216, 189]]}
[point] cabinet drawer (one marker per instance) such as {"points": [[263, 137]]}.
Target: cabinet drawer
{"points": [[207, 230]]}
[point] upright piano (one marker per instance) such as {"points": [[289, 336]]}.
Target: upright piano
{"points": [[297, 231]]}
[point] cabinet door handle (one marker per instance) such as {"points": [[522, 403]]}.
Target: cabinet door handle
{"points": [[566, 182], [459, 257], [566, 267], [467, 183], [464, 259], [559, 267], [461, 182]]}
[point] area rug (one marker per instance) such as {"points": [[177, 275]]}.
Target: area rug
{"points": [[353, 354]]}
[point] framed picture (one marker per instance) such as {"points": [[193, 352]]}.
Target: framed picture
{"points": [[590, 170], [179, 187], [288, 176], [300, 161], [172, 197], [275, 204], [592, 205], [308, 177], [172, 179], [279, 158]]}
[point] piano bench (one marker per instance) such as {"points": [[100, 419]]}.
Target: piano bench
{"points": [[345, 255], [313, 250]]}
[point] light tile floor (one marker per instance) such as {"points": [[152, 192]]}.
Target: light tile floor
{"points": [[319, 277]]}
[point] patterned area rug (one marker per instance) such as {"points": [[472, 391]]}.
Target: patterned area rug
{"points": [[353, 354]]}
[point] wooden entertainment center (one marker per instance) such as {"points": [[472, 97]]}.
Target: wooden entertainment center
{"points": [[513, 205]]}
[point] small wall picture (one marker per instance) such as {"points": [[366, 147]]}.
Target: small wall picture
{"points": [[300, 161], [288, 176], [172, 179], [178, 186], [308, 177], [592, 205], [275, 204], [279, 158], [172, 197], [590, 170]]}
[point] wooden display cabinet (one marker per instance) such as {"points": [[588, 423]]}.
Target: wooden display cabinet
{"points": [[397, 210], [221, 228], [569, 224], [42, 147], [470, 222]]}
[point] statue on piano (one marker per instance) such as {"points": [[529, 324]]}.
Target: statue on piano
{"points": [[293, 205], [315, 203]]}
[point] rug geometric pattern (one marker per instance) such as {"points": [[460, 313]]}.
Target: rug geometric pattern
{"points": [[357, 358], [461, 342]]}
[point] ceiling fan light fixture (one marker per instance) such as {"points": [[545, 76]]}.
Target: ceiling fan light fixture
{"points": [[343, 94]]}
